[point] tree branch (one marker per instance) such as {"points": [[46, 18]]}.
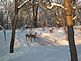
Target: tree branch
{"points": [[55, 4], [27, 1]]}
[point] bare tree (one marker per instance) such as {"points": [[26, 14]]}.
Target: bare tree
{"points": [[35, 12], [14, 27]]}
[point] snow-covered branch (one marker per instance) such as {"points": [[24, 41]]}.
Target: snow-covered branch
{"points": [[23, 4], [75, 17], [3, 2], [55, 4], [1, 27]]}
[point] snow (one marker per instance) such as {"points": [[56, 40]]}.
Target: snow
{"points": [[46, 47], [39, 53]]}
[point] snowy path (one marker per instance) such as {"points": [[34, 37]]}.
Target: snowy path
{"points": [[48, 47], [38, 53]]}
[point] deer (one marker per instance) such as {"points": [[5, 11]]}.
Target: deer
{"points": [[30, 36], [51, 30]]}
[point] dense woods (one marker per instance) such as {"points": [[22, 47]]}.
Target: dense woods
{"points": [[33, 11]]}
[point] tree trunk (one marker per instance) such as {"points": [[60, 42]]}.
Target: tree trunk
{"points": [[35, 13], [14, 28], [12, 41], [72, 46]]}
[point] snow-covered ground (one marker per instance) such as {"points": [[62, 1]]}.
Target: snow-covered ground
{"points": [[46, 47]]}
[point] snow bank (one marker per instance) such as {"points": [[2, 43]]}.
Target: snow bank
{"points": [[59, 37]]}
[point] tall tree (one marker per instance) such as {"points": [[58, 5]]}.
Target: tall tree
{"points": [[35, 13], [14, 27], [73, 51]]}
